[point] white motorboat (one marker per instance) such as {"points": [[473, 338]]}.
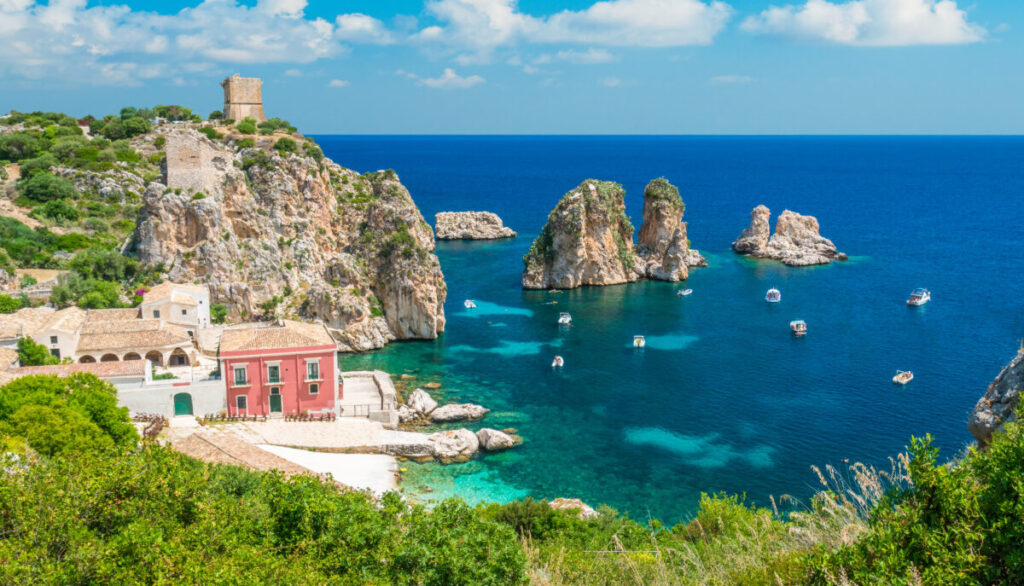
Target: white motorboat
{"points": [[468, 304], [639, 342], [903, 377], [558, 362], [799, 327], [564, 318], [684, 292], [919, 297], [773, 295]]}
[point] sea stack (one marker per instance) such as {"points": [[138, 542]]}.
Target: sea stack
{"points": [[470, 226], [796, 241], [662, 244], [999, 404], [587, 240]]}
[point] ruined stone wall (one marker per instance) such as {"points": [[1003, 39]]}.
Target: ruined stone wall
{"points": [[243, 97]]}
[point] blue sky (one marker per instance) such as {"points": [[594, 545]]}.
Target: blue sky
{"points": [[533, 66]]}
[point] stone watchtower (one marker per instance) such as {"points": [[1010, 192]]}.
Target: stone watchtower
{"points": [[243, 98]]}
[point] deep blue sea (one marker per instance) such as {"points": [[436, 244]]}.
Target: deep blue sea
{"points": [[723, 398]]}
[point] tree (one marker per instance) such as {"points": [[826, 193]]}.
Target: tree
{"points": [[114, 130], [43, 187], [136, 126], [20, 145], [9, 304], [32, 354], [218, 313], [216, 115], [128, 112], [104, 264]]}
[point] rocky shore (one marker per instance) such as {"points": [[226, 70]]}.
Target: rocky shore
{"points": [[470, 226], [588, 239], [999, 404], [796, 241]]}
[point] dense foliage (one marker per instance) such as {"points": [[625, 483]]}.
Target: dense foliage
{"points": [[32, 354]]}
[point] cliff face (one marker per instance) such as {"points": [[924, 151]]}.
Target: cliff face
{"points": [[587, 240], [285, 234], [662, 244], [999, 404], [470, 226], [796, 241]]}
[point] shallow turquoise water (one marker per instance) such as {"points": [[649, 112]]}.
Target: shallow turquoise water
{"points": [[723, 398]]}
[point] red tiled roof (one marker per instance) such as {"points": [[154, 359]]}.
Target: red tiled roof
{"points": [[284, 334], [100, 369]]}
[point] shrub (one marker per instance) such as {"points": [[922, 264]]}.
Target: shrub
{"points": [[245, 143], [313, 151], [216, 115], [114, 130], [286, 145], [246, 126], [136, 126], [9, 304], [57, 210], [44, 187], [218, 313], [27, 281], [159, 142], [95, 224], [104, 264], [32, 354], [259, 158], [198, 195], [40, 164], [211, 133]]}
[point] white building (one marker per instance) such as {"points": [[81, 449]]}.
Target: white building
{"points": [[180, 304]]}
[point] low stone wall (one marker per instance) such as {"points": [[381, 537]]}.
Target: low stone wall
{"points": [[208, 397]]}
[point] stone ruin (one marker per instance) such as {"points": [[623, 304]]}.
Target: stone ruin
{"points": [[243, 98]]}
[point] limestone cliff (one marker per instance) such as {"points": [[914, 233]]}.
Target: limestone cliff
{"points": [[470, 226], [999, 404], [587, 240], [286, 234], [796, 242], [662, 244]]}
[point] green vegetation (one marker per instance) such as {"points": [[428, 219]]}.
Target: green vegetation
{"points": [[32, 354], [211, 133], [246, 126], [286, 145], [660, 190], [9, 304], [43, 187], [218, 313], [272, 125]]}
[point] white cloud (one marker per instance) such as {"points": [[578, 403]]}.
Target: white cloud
{"points": [[611, 82], [449, 80], [293, 72], [730, 79], [338, 83], [73, 41], [480, 26], [870, 22], [589, 57]]}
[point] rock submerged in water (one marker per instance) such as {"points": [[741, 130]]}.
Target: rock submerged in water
{"points": [[796, 241], [999, 404], [588, 239], [493, 440], [470, 226], [458, 445]]}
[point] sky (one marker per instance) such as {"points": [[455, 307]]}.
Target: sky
{"points": [[534, 66]]}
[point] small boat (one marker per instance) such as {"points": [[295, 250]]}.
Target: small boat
{"points": [[773, 296], [799, 327], [919, 297], [903, 377], [468, 304], [639, 342], [684, 292], [558, 362], [564, 318]]}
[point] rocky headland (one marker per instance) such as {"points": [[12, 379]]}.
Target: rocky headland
{"points": [[293, 235], [470, 226], [999, 404], [588, 239], [796, 242]]}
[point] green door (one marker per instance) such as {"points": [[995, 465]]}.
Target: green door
{"points": [[183, 404], [275, 400]]}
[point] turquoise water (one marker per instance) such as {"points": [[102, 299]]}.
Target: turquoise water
{"points": [[722, 398]]}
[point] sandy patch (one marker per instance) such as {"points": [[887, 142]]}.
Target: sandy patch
{"points": [[375, 472]]}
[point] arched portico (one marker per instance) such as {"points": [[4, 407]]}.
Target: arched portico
{"points": [[87, 359], [132, 356], [155, 357], [178, 357], [109, 358]]}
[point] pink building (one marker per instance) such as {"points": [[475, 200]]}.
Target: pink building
{"points": [[280, 368]]}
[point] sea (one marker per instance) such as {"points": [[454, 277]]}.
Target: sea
{"points": [[723, 399]]}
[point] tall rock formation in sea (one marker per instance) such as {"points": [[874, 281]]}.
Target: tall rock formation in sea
{"points": [[662, 244], [587, 240], [277, 232], [796, 241], [999, 404]]}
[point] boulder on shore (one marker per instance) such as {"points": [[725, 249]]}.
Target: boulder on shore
{"points": [[493, 440], [421, 402], [999, 404], [796, 241], [457, 412], [457, 445], [585, 511], [470, 226]]}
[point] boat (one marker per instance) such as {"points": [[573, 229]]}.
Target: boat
{"points": [[773, 295], [799, 327], [468, 304], [919, 297], [903, 377], [684, 292], [564, 318], [639, 342], [558, 362]]}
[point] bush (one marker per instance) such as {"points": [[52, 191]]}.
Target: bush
{"points": [[313, 151], [198, 195], [286, 145], [9, 304], [44, 187], [159, 142], [136, 126], [259, 158], [211, 133], [32, 354], [57, 210], [245, 143], [247, 126], [20, 145], [37, 165], [104, 264], [86, 293], [216, 115], [218, 313]]}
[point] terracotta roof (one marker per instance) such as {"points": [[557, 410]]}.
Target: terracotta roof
{"points": [[139, 334], [24, 321], [166, 289], [66, 320], [100, 369], [7, 357], [225, 448], [113, 314], [283, 334], [182, 299]]}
